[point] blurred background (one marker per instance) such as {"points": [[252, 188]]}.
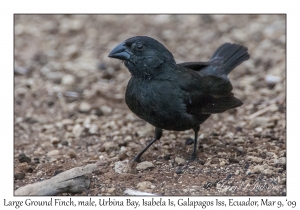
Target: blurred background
{"points": [[69, 106]]}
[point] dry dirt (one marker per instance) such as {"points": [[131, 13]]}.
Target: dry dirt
{"points": [[69, 107]]}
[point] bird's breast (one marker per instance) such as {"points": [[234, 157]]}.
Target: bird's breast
{"points": [[158, 102]]}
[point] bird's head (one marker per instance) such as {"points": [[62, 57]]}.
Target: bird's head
{"points": [[143, 56]]}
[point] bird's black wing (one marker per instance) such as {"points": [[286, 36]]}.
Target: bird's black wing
{"points": [[206, 86], [207, 93], [196, 66]]}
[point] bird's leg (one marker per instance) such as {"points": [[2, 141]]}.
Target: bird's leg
{"points": [[157, 136], [194, 154]]}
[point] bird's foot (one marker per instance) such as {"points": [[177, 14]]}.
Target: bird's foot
{"points": [[131, 163], [134, 160], [192, 157]]}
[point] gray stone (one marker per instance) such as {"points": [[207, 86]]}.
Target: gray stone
{"points": [[84, 107], [53, 153], [67, 122], [55, 140], [122, 167], [111, 190], [21, 70], [259, 121], [94, 129], [54, 76], [267, 171], [144, 165], [271, 79], [258, 169], [109, 146], [106, 109], [238, 141], [68, 80], [144, 185], [72, 153], [255, 159], [180, 161], [281, 160], [77, 130]]}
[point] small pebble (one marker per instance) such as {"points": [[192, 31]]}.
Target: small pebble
{"points": [[97, 111], [36, 160], [111, 190], [109, 146], [267, 171], [282, 182], [77, 130], [205, 146], [55, 140], [67, 122], [23, 158], [258, 169], [72, 153], [53, 153], [68, 80], [87, 122], [127, 138], [201, 161], [54, 76], [21, 71], [144, 185], [94, 129], [106, 109], [255, 159], [258, 129], [122, 167], [259, 121], [65, 143], [217, 142], [238, 141], [102, 66], [237, 172], [281, 160], [23, 166], [39, 173], [149, 178], [144, 165], [189, 141], [271, 79], [238, 129], [167, 157], [222, 163], [180, 161], [84, 107]]}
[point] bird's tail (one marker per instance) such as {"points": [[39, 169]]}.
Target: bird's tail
{"points": [[232, 55]]}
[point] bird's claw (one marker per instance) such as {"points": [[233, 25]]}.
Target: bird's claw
{"points": [[136, 159], [192, 157]]}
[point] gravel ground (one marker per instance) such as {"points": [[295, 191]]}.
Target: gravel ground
{"points": [[69, 107]]}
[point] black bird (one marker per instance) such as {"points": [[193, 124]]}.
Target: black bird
{"points": [[174, 96]]}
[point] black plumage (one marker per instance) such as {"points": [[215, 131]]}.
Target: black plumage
{"points": [[177, 96]]}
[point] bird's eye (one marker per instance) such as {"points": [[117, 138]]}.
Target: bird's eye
{"points": [[140, 47]]}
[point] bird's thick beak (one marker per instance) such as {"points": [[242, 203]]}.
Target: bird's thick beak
{"points": [[120, 52]]}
